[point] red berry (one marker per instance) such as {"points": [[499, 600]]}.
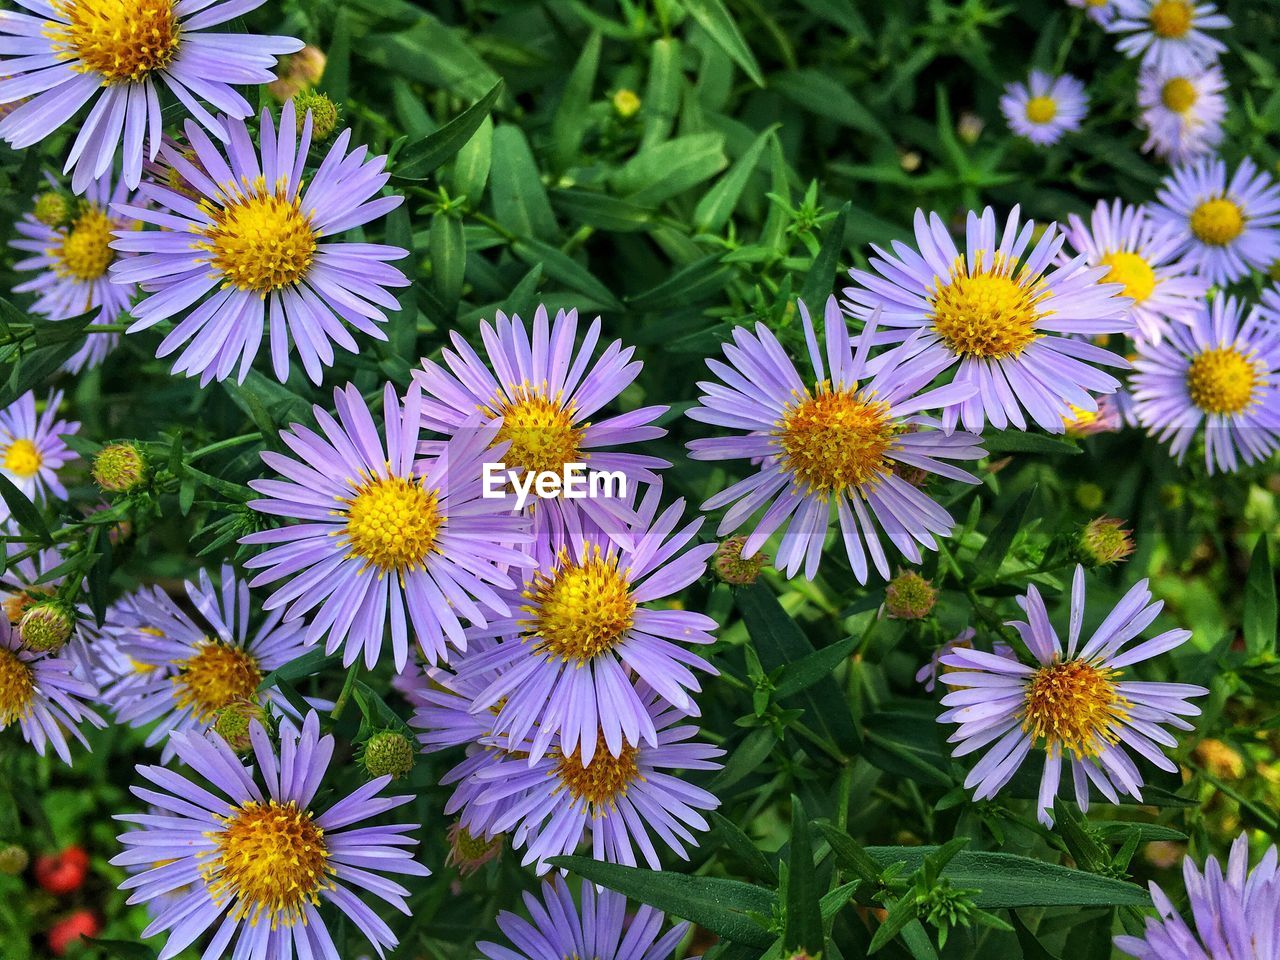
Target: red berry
{"points": [[62, 934], [64, 872]]}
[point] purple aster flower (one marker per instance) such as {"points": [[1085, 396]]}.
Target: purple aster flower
{"points": [[32, 450], [1169, 34], [256, 859], [1073, 704], [187, 671], [1226, 228], [546, 390], [837, 446], [382, 538], [928, 674], [76, 51], [1014, 319], [1221, 373], [72, 259], [252, 251], [599, 927], [1045, 107], [619, 800], [1234, 915], [1144, 259], [582, 627], [1182, 112], [41, 693], [1101, 12]]}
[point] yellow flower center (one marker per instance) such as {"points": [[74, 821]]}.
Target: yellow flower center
{"points": [[1172, 18], [270, 860], [1222, 380], [23, 458], [1097, 3], [1041, 109], [393, 523], [581, 609], [987, 313], [834, 440], [214, 676], [603, 780], [1179, 94], [1074, 705], [1217, 222], [1133, 271], [123, 40], [541, 431], [16, 604], [260, 240], [17, 688], [84, 253]]}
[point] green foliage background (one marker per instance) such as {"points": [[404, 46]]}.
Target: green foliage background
{"points": [[773, 142]]}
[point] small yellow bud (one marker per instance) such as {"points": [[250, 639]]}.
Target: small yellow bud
{"points": [[119, 468], [626, 104], [909, 596]]}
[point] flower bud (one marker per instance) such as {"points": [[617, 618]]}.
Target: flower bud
{"points": [[297, 72], [626, 104], [324, 114], [232, 722], [732, 567], [389, 754], [1102, 542], [46, 625], [13, 859], [1223, 761], [52, 209], [119, 468], [909, 596], [969, 127], [469, 853], [1090, 496]]}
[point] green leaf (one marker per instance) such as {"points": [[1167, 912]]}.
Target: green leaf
{"points": [[901, 913], [1001, 537], [337, 67], [725, 907], [448, 246], [819, 282], [819, 93], [1259, 618], [850, 853], [745, 759], [802, 921], [564, 268], [738, 843], [567, 128], [470, 170], [805, 672], [122, 949], [1032, 948], [714, 17], [602, 211], [662, 91], [312, 662], [1020, 441], [718, 203], [24, 511], [519, 199], [419, 160], [1004, 880], [669, 169]]}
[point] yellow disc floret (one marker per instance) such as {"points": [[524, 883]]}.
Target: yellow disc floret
{"points": [[1179, 94], [393, 523], [85, 253], [1172, 19], [1222, 380], [987, 312], [123, 40], [541, 431], [601, 782], [835, 440], [23, 458], [215, 675], [1133, 270], [581, 609], [260, 240], [17, 688], [1074, 705], [1041, 109], [269, 862], [1217, 222]]}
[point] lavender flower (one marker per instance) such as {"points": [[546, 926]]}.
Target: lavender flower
{"points": [[1169, 34], [384, 539], [1101, 12], [252, 250], [1045, 107], [600, 928], [256, 859], [836, 445], [1073, 705], [1221, 373], [1182, 112], [1015, 324], [32, 450], [73, 52]]}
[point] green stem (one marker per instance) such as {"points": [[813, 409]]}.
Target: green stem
{"points": [[222, 445], [347, 686]]}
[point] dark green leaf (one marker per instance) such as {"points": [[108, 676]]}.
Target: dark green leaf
{"points": [[802, 921], [419, 160], [1259, 619], [24, 511], [714, 17]]}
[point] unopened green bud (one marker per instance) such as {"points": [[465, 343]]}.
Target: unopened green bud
{"points": [[232, 723], [52, 209], [324, 113], [909, 596], [626, 104], [46, 625], [732, 567], [1090, 496], [389, 754], [1102, 542], [13, 859], [119, 467]]}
